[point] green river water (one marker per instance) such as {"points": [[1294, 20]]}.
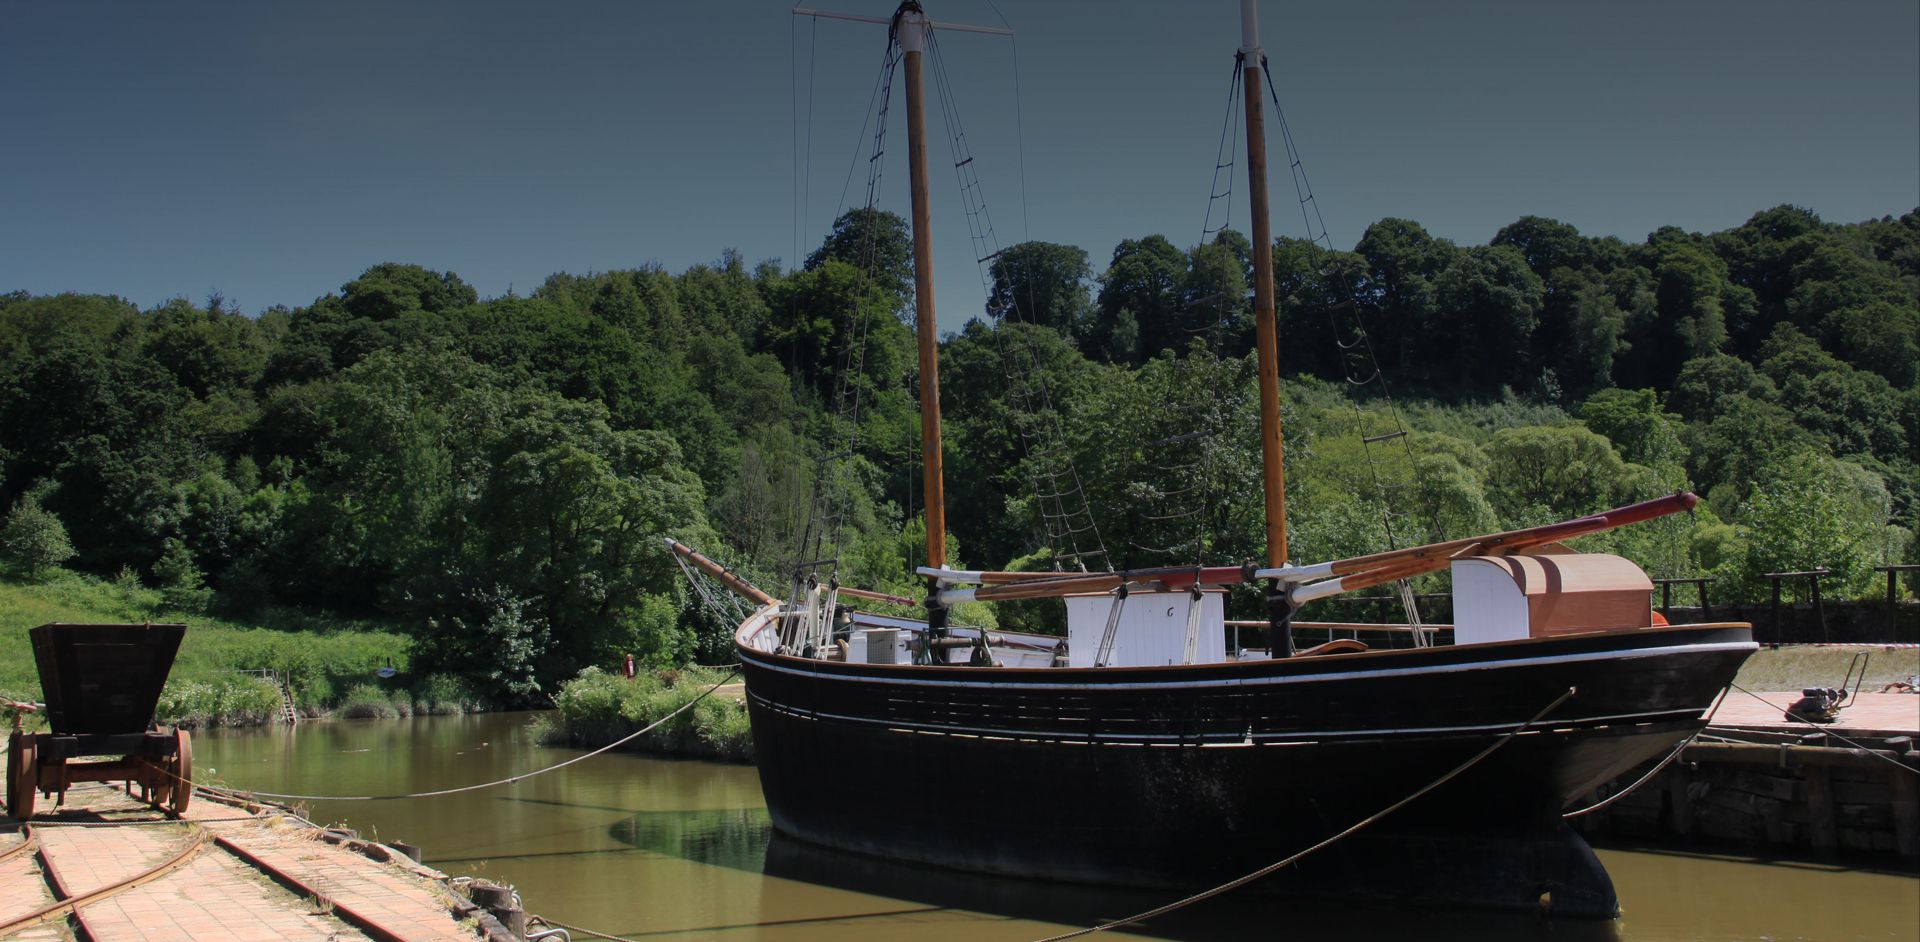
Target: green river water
{"points": [[651, 848]]}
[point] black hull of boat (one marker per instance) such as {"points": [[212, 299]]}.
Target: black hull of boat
{"points": [[1188, 776]]}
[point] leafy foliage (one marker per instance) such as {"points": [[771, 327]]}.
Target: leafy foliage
{"points": [[496, 474]]}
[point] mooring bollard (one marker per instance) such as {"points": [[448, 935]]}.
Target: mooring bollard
{"points": [[503, 903]]}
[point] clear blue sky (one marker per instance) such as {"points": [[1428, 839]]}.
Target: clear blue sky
{"points": [[272, 151]]}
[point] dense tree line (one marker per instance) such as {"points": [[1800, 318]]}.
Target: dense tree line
{"points": [[496, 474]]}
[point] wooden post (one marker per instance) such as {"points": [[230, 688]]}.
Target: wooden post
{"points": [[1893, 602], [911, 32], [1677, 796], [1820, 818], [1266, 327], [1820, 609], [1906, 813]]}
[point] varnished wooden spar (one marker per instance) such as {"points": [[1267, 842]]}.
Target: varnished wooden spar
{"points": [[1266, 328], [1154, 579], [752, 593], [1363, 572], [1358, 572], [872, 596], [1528, 536], [910, 29], [740, 587]]}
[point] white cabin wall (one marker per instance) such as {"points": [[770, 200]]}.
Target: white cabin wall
{"points": [[1487, 604], [1152, 630]]}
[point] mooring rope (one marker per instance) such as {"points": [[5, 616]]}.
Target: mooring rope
{"points": [[1273, 868], [1828, 730], [650, 727], [557, 924], [1644, 779]]}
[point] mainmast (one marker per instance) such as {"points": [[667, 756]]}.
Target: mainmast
{"points": [[910, 28], [1266, 327], [910, 31]]}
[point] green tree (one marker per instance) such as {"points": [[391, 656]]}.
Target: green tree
{"points": [[182, 586], [1806, 511], [1139, 312], [876, 243], [1486, 298], [1538, 474], [34, 540], [1633, 421], [1042, 283]]}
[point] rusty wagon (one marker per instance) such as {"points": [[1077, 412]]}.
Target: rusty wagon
{"points": [[101, 684]]}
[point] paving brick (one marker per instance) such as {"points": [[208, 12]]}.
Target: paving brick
{"points": [[216, 897]]}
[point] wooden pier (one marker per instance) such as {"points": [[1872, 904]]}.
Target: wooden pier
{"points": [[109, 868], [1756, 779]]}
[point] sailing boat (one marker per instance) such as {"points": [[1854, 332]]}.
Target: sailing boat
{"points": [[1143, 752]]}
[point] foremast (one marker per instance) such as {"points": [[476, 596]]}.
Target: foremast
{"points": [[1266, 332]]}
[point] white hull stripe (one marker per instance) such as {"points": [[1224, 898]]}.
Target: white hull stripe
{"points": [[1230, 738], [1040, 686]]}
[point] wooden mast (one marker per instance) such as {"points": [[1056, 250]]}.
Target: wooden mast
{"points": [[1267, 332], [1265, 325], [910, 30]]}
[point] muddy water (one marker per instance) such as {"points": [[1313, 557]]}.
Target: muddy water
{"points": [[681, 850]]}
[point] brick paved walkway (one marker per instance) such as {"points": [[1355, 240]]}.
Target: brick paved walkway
{"points": [[22, 891], [214, 897], [218, 896], [375, 892], [1886, 712]]}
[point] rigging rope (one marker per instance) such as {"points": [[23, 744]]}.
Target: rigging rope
{"points": [[828, 506], [1319, 236], [1065, 512], [1276, 867], [1828, 730], [1644, 779], [436, 793]]}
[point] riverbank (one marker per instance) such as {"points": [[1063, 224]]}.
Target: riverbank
{"points": [[597, 708], [329, 663]]}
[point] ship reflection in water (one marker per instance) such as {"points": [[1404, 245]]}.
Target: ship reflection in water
{"points": [[744, 839], [657, 849]]}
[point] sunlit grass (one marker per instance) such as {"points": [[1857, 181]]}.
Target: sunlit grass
{"points": [[322, 655], [1796, 668]]}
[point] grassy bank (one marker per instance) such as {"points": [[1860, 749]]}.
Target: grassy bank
{"points": [[1796, 668], [597, 708], [328, 661]]}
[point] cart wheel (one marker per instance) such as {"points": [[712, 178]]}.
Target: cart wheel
{"points": [[156, 782], [23, 773], [180, 777]]}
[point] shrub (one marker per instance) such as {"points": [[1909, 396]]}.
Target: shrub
{"points": [[33, 539], [235, 701], [443, 695], [597, 708], [367, 702]]}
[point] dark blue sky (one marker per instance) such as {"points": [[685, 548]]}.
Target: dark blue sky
{"points": [[273, 151]]}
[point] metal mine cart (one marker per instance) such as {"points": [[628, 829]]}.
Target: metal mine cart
{"points": [[101, 683]]}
